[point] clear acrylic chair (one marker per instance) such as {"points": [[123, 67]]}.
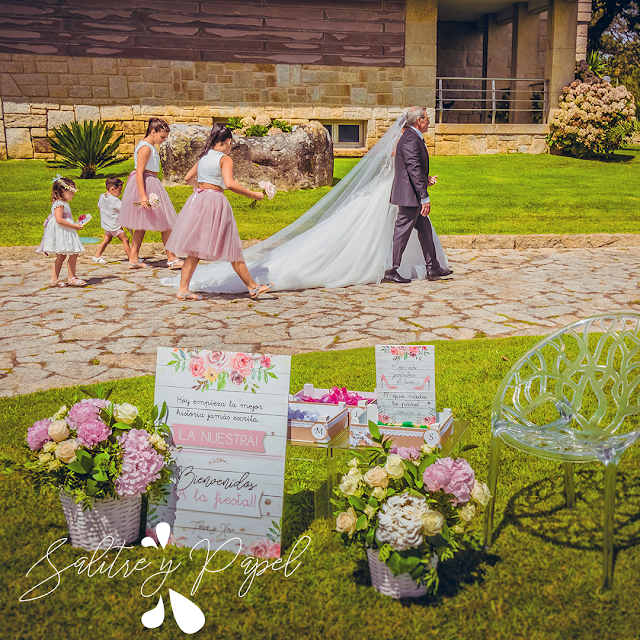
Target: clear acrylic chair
{"points": [[567, 399]]}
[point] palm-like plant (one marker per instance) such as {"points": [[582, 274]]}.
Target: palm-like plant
{"points": [[87, 146], [596, 63]]}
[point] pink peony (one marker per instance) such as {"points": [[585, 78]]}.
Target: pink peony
{"points": [[38, 434], [275, 551], [92, 432], [236, 378], [197, 367], [243, 364], [86, 410], [141, 465], [265, 361], [406, 453], [217, 360], [436, 476]]}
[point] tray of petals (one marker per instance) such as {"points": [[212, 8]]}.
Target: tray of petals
{"points": [[434, 434], [356, 401], [316, 422]]}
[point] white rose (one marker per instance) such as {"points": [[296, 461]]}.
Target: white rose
{"points": [[353, 462], [157, 441], [66, 451], [467, 512], [125, 412], [369, 511], [432, 522], [426, 449], [349, 485], [346, 522], [45, 457], [379, 493], [458, 529], [376, 477], [480, 493], [50, 447], [60, 413], [394, 466], [355, 472], [54, 464], [58, 430]]}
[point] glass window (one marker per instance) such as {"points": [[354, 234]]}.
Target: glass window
{"points": [[329, 128], [348, 133]]}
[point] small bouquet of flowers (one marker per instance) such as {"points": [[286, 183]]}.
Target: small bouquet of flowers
{"points": [[336, 395], [409, 506], [268, 189], [96, 450], [84, 218], [153, 199]]}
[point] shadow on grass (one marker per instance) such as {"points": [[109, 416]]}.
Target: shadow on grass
{"points": [[540, 510]]}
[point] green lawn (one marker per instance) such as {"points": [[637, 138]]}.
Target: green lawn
{"points": [[541, 580], [515, 194]]}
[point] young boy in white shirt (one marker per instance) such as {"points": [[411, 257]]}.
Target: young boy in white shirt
{"points": [[109, 205]]}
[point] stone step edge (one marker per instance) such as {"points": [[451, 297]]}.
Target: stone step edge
{"points": [[489, 241]]}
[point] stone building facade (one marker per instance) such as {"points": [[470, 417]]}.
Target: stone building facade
{"points": [[342, 62]]}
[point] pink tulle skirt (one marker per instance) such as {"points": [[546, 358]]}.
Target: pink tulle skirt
{"points": [[206, 228], [162, 217]]}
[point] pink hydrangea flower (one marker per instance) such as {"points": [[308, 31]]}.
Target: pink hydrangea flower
{"points": [[406, 453], [455, 477], [38, 434], [86, 410], [141, 465], [92, 432]]}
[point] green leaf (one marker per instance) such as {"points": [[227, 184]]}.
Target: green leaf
{"points": [[468, 447], [154, 413], [122, 426], [426, 461], [370, 537], [445, 533], [89, 392], [418, 572], [413, 470], [409, 478], [357, 503], [92, 487], [373, 502], [361, 523], [375, 432]]}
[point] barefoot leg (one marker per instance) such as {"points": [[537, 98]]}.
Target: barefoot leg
{"points": [[241, 269], [138, 237], [57, 265], [189, 266], [125, 244], [170, 255]]}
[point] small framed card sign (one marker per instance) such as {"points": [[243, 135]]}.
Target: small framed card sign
{"points": [[228, 413], [405, 377]]}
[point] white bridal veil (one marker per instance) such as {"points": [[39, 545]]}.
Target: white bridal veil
{"points": [[346, 238]]}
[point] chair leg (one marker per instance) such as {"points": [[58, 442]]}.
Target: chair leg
{"points": [[610, 471], [569, 489], [494, 463]]}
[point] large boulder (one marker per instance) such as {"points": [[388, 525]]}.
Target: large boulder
{"points": [[302, 159]]}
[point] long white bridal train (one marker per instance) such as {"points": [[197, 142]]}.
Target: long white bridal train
{"points": [[344, 239]]}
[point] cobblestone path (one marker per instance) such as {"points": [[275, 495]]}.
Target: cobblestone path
{"points": [[111, 328]]}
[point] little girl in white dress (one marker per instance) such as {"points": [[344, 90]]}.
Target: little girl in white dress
{"points": [[61, 233]]}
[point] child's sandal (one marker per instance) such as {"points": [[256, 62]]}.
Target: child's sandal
{"points": [[57, 283], [175, 262], [100, 260], [76, 282]]}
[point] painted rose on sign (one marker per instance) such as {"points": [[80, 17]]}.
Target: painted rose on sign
{"points": [[215, 369], [406, 352]]}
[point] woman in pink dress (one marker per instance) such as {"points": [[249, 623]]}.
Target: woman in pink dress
{"points": [[136, 211], [206, 228]]}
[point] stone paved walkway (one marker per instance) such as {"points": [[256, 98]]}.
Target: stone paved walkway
{"points": [[110, 329]]}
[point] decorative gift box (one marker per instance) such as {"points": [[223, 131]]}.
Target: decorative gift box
{"points": [[316, 422], [356, 408], [434, 435]]}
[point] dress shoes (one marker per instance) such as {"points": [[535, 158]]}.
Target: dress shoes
{"points": [[393, 276], [436, 274]]}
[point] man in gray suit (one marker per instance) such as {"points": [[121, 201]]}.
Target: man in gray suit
{"points": [[409, 192]]}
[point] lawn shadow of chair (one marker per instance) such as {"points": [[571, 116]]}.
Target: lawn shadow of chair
{"points": [[540, 510]]}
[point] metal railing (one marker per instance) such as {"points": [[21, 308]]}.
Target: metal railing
{"points": [[483, 100]]}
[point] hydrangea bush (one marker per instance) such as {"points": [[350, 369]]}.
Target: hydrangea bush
{"points": [[411, 505], [592, 118], [97, 449]]}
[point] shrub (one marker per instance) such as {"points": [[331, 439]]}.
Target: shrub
{"points": [[592, 118], [87, 146], [258, 127]]}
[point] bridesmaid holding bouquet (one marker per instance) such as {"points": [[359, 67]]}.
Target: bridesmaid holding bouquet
{"points": [[206, 228], [146, 205]]}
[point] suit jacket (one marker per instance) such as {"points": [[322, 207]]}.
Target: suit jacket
{"points": [[411, 170]]}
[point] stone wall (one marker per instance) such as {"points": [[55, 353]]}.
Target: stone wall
{"points": [[487, 139]]}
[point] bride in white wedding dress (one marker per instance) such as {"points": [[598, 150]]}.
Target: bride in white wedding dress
{"points": [[345, 239]]}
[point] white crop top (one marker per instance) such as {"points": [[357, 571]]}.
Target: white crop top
{"points": [[153, 163], [209, 168]]}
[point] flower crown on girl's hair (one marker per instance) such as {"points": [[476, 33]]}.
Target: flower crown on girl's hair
{"points": [[69, 185]]}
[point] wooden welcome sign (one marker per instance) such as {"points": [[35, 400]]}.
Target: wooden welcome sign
{"points": [[228, 412]]}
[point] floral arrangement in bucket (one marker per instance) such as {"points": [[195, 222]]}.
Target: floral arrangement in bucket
{"points": [[410, 508], [97, 450]]}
